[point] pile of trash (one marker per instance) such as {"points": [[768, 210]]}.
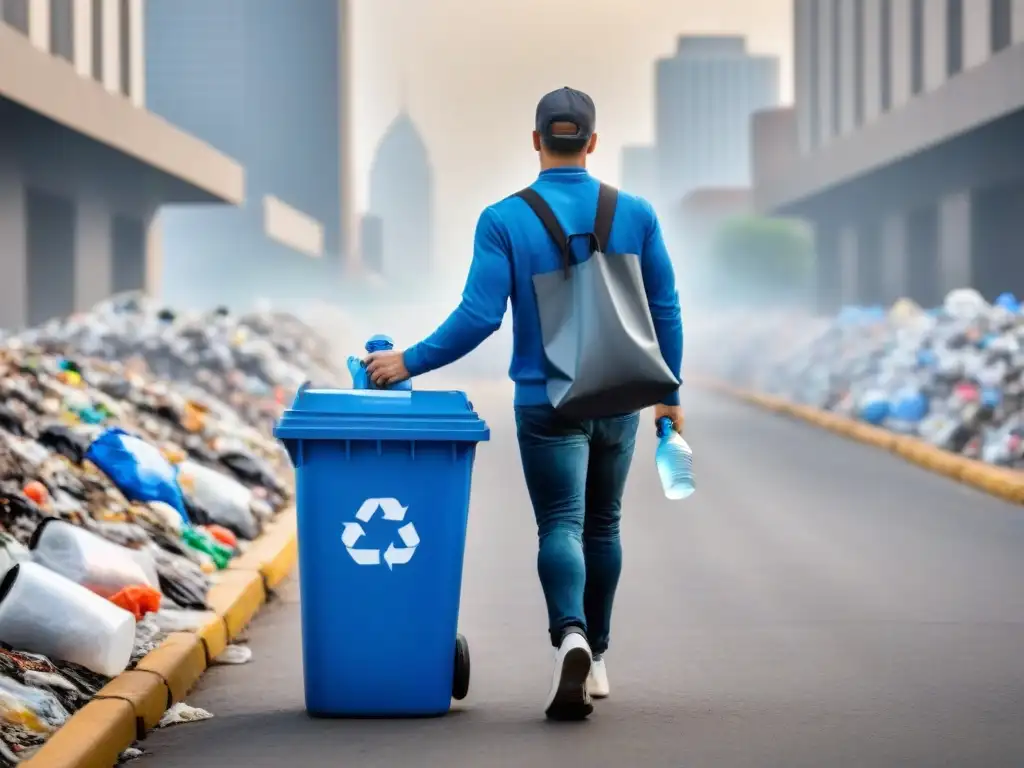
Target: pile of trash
{"points": [[136, 460], [952, 376]]}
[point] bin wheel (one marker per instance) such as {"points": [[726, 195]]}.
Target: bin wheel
{"points": [[460, 676]]}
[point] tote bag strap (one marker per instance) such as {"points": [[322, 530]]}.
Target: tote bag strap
{"points": [[607, 198], [547, 217]]}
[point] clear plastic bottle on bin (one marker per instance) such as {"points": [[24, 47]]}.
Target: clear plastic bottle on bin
{"points": [[360, 378], [674, 461]]}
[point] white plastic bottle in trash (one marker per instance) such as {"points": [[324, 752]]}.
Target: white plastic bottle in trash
{"points": [[86, 558], [43, 612], [674, 460]]}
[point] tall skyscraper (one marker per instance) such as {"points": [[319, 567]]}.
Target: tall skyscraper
{"points": [[402, 196], [264, 81], [371, 241], [638, 173], [705, 96]]}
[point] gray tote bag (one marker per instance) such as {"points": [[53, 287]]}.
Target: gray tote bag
{"points": [[602, 352]]}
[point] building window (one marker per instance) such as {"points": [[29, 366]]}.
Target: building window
{"points": [[125, 46], [954, 36], [1002, 23], [917, 46], [62, 30], [858, 62], [16, 14], [813, 74], [885, 54], [837, 64], [97, 40]]}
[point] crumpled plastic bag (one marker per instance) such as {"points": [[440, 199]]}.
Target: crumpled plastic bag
{"points": [[137, 468], [138, 600], [32, 709], [72, 684], [234, 654], [225, 500], [964, 304], [182, 581], [183, 713]]}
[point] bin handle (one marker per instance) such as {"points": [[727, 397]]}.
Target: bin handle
{"points": [[308, 384], [300, 391]]}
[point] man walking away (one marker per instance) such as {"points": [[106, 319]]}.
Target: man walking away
{"points": [[575, 468]]}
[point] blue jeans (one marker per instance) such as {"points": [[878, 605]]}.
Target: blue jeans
{"points": [[576, 472]]}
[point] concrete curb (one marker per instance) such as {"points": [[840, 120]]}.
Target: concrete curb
{"points": [[1004, 483], [133, 702]]}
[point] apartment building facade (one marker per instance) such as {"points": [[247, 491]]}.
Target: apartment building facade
{"points": [[909, 150], [84, 166]]}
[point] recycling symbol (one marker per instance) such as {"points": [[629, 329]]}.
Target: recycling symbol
{"points": [[392, 510]]}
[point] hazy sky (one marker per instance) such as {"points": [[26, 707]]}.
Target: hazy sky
{"points": [[474, 70]]}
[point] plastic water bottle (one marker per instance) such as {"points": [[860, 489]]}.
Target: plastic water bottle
{"points": [[360, 380], [674, 460], [360, 377]]}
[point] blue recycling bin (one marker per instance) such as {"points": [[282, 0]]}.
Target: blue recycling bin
{"points": [[383, 480]]}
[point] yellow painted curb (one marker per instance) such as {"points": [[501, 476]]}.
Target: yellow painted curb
{"points": [[1006, 484], [999, 482], [236, 597], [93, 738], [134, 701], [275, 554]]}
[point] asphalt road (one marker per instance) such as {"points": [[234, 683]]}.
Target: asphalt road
{"points": [[816, 603]]}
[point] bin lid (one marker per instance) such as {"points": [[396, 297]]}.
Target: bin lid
{"points": [[357, 414]]}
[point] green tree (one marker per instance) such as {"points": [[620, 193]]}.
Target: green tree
{"points": [[762, 260]]}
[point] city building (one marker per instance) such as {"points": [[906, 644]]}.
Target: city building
{"points": [[908, 156], [84, 164], [402, 197], [704, 97], [371, 242], [638, 171], [265, 81]]}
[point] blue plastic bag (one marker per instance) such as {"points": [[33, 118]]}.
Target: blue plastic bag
{"points": [[909, 405], [137, 468], [874, 407], [1008, 302]]}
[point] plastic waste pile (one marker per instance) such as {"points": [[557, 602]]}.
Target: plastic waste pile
{"points": [[249, 362], [136, 461], [952, 375]]}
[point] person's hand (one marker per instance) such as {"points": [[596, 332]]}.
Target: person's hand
{"points": [[386, 368], [673, 412]]}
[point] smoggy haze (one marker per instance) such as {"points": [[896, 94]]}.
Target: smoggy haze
{"points": [[475, 68]]}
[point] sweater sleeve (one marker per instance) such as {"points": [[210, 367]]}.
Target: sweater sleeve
{"points": [[663, 299], [483, 305]]}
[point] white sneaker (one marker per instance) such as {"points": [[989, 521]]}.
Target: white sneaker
{"points": [[597, 681], [568, 699]]}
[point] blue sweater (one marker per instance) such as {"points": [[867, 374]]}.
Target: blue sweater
{"points": [[511, 245]]}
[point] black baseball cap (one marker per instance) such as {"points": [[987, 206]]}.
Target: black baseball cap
{"points": [[566, 105]]}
